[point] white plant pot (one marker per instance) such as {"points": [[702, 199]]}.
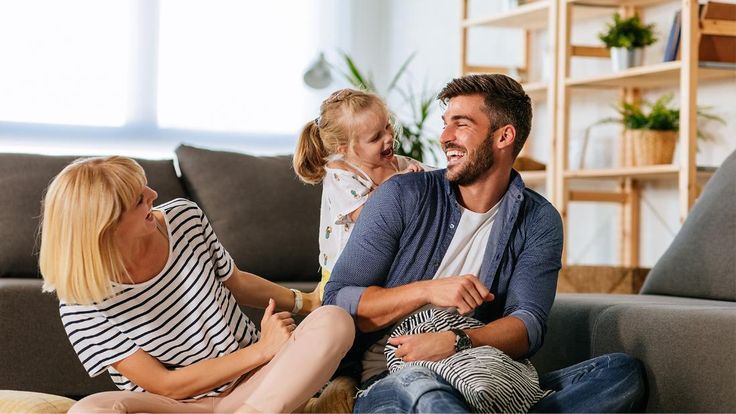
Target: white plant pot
{"points": [[623, 58]]}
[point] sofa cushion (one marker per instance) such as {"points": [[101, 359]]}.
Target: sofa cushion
{"points": [[684, 344], [701, 261], [35, 353], [23, 181], [687, 350], [33, 402], [264, 216]]}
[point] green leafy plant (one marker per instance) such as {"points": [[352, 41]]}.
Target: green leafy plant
{"points": [[413, 138], [628, 33], [662, 115]]}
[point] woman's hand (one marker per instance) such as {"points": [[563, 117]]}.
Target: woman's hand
{"points": [[276, 329]]}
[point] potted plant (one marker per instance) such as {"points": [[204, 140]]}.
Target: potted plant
{"points": [[626, 39], [652, 129]]}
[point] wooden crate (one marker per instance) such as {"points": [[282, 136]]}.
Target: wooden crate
{"points": [[601, 279]]}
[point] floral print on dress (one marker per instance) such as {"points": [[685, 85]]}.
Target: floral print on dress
{"points": [[328, 231]]}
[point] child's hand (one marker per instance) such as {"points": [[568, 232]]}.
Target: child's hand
{"points": [[411, 168]]}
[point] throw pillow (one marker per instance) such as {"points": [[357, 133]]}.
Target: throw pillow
{"points": [[490, 380], [264, 216]]}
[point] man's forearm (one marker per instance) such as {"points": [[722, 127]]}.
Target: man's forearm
{"points": [[381, 307], [507, 334]]}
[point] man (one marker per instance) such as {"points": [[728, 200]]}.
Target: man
{"points": [[471, 238]]}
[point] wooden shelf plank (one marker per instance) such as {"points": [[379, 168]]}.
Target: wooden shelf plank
{"points": [[536, 90], [535, 16], [644, 172], [649, 76], [618, 3], [533, 177], [530, 16]]}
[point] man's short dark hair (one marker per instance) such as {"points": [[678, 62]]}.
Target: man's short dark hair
{"points": [[504, 99]]}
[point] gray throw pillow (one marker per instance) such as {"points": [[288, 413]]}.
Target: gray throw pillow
{"points": [[701, 261], [264, 216], [23, 182]]}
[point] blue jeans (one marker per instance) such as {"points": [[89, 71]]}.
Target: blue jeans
{"points": [[608, 383], [611, 383]]}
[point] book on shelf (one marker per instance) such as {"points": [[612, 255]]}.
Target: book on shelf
{"points": [[714, 51], [673, 40]]}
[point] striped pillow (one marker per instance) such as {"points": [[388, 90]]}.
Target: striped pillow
{"points": [[490, 380]]}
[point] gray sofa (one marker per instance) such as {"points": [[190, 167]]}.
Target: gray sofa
{"points": [[682, 326]]}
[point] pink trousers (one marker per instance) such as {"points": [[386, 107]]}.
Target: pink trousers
{"points": [[285, 384]]}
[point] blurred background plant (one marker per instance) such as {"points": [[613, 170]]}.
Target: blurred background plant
{"points": [[662, 115], [413, 138]]}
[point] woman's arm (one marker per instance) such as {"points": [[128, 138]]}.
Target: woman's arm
{"points": [[201, 377], [255, 291]]}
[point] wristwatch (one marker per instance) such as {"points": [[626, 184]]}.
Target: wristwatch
{"points": [[462, 340]]}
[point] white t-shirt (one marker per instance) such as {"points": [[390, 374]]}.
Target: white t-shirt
{"points": [[463, 256], [183, 315]]}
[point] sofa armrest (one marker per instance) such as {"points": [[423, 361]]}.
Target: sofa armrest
{"points": [[686, 344]]}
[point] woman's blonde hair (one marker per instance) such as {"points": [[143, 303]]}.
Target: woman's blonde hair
{"points": [[81, 210], [323, 136]]}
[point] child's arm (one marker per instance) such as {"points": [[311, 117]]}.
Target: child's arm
{"points": [[255, 291], [201, 377]]}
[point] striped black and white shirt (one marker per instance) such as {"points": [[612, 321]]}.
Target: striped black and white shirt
{"points": [[183, 315]]}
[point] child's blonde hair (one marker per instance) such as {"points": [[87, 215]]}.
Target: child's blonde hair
{"points": [[81, 210], [323, 136]]}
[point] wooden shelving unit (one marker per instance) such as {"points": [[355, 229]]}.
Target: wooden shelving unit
{"points": [[683, 74], [558, 18]]}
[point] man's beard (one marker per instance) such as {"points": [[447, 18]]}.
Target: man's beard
{"points": [[479, 162]]}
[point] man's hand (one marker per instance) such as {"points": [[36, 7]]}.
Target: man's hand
{"points": [[424, 347], [464, 292]]}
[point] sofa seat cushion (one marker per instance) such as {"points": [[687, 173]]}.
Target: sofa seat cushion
{"points": [[23, 181], [12, 402], [687, 349], [264, 216], [574, 318]]}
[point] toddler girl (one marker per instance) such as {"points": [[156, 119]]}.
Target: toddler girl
{"points": [[350, 149]]}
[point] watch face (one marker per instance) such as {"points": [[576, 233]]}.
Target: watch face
{"points": [[463, 343]]}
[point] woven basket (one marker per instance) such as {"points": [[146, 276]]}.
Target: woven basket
{"points": [[653, 147]]}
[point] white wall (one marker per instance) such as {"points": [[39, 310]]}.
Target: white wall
{"points": [[431, 27]]}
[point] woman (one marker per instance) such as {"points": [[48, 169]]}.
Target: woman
{"points": [[151, 296]]}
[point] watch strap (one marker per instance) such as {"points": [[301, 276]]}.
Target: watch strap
{"points": [[298, 300]]}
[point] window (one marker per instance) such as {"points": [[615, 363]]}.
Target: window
{"points": [[138, 77], [234, 65], [64, 62]]}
